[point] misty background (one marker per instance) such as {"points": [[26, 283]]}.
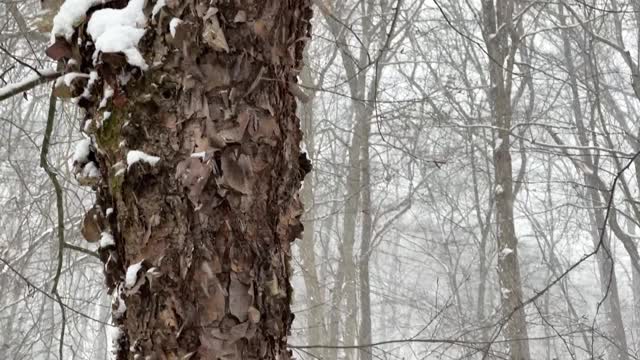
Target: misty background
{"points": [[401, 257]]}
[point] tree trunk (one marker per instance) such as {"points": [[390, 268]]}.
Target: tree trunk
{"points": [[199, 171], [345, 285], [608, 281], [315, 296], [501, 39], [364, 333], [617, 341]]}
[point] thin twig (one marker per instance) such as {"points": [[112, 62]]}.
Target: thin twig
{"points": [[81, 249], [20, 61], [46, 294]]}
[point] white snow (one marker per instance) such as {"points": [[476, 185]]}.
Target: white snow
{"points": [[122, 307], [117, 300], [71, 14], [505, 293], [134, 156], [498, 143], [157, 6], [123, 39], [87, 125], [506, 251], [132, 275], [113, 334], [68, 78], [109, 211], [107, 115], [90, 170], [199, 155], [499, 189], [93, 76], [106, 239], [108, 92], [119, 30], [82, 151], [173, 25], [5, 90], [102, 20]]}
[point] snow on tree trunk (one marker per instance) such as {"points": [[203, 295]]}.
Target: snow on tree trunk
{"points": [[196, 140]]}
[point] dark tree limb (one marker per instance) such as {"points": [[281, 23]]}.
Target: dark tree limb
{"points": [[28, 84]]}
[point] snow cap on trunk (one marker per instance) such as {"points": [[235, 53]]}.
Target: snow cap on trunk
{"points": [[134, 156], [119, 30], [132, 275], [82, 151], [70, 15], [106, 239]]}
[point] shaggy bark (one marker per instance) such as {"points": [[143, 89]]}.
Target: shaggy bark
{"points": [[211, 223]]}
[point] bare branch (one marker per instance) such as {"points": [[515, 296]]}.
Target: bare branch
{"points": [[28, 83]]}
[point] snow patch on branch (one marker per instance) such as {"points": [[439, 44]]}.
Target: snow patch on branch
{"points": [[134, 156], [119, 30], [12, 88], [68, 78]]}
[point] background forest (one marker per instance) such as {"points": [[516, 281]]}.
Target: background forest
{"points": [[427, 123]]}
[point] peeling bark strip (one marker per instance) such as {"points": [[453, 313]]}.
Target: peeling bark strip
{"points": [[199, 168]]}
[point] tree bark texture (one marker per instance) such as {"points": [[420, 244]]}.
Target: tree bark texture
{"points": [[211, 223]]}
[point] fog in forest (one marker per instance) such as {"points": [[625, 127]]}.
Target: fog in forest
{"points": [[473, 193]]}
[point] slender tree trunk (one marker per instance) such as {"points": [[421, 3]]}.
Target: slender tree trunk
{"points": [[364, 334], [501, 39], [345, 286], [485, 227], [608, 281], [315, 297], [199, 162]]}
